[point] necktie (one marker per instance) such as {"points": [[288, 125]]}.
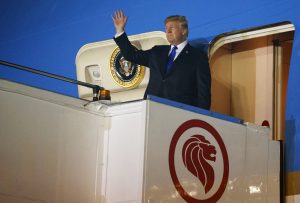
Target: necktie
{"points": [[170, 60]]}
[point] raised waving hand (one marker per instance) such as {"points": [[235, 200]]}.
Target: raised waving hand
{"points": [[119, 20]]}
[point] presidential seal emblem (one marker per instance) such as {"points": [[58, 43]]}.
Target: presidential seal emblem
{"points": [[125, 73]]}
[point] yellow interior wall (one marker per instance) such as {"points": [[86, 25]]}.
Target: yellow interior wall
{"points": [[220, 65], [242, 78]]}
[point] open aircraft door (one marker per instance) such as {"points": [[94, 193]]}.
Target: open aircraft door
{"points": [[250, 71]]}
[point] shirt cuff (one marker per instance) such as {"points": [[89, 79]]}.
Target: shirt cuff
{"points": [[119, 34]]}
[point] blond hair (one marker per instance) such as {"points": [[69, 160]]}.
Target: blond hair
{"points": [[182, 20]]}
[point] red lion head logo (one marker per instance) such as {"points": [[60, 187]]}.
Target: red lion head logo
{"points": [[196, 154]]}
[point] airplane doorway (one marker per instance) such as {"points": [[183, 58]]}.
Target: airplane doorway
{"points": [[250, 74]]}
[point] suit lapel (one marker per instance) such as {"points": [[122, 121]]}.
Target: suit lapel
{"points": [[164, 59]]}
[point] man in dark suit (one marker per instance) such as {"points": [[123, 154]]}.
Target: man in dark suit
{"points": [[178, 71]]}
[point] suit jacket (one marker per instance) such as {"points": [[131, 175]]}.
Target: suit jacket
{"points": [[188, 81]]}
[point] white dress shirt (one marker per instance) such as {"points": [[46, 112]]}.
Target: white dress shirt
{"points": [[179, 48]]}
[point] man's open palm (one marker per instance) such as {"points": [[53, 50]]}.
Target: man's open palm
{"points": [[119, 20]]}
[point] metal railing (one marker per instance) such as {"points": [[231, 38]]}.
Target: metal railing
{"points": [[95, 88]]}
